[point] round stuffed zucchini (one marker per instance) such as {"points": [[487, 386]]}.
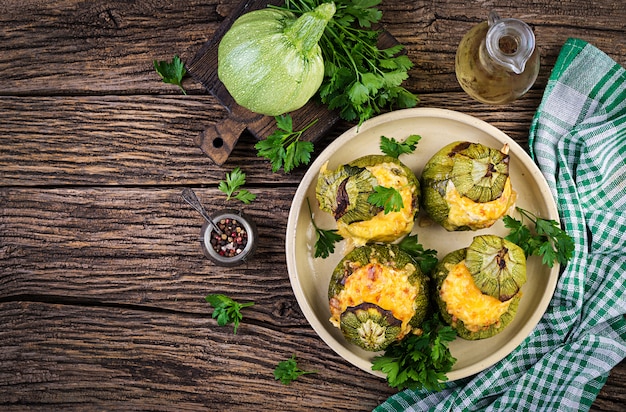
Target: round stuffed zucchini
{"points": [[344, 193], [466, 186], [477, 289], [377, 295]]}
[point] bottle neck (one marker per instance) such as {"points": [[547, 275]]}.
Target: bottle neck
{"points": [[509, 43]]}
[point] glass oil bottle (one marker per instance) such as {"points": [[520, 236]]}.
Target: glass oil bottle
{"points": [[497, 61]]}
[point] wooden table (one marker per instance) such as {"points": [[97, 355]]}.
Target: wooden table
{"points": [[102, 280]]}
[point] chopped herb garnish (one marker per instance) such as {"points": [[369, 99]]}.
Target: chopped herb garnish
{"points": [[426, 259], [386, 197], [419, 361], [226, 310], [287, 371]]}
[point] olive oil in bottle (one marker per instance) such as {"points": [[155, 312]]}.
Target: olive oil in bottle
{"points": [[497, 61]]}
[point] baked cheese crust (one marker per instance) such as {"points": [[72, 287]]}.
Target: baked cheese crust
{"points": [[382, 285], [465, 302], [466, 212], [384, 227]]}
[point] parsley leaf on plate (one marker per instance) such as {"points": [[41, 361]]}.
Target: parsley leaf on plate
{"points": [[392, 147], [325, 239], [548, 239], [419, 361], [426, 259]]}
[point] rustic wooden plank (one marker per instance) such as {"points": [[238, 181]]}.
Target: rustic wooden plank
{"points": [[148, 140], [68, 47], [122, 358], [118, 357], [135, 246], [108, 140], [64, 238]]}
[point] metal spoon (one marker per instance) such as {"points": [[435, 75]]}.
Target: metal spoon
{"points": [[190, 197]]}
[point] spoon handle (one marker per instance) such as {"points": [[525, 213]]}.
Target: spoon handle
{"points": [[190, 197]]}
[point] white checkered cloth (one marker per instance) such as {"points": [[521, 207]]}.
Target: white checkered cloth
{"points": [[578, 139]]}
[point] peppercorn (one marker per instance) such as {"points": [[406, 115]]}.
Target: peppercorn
{"points": [[233, 239]]}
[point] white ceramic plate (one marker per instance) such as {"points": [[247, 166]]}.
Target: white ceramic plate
{"points": [[309, 276]]}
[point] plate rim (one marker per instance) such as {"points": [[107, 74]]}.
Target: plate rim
{"points": [[353, 132]]}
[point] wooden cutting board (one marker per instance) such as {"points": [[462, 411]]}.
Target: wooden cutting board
{"points": [[218, 140]]}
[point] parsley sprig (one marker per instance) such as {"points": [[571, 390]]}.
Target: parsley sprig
{"points": [[325, 239], [287, 371], [283, 148], [548, 239], [394, 148], [419, 360], [226, 310], [231, 186], [172, 71], [388, 198], [425, 258], [359, 78]]}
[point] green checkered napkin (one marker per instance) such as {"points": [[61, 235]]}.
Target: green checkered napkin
{"points": [[578, 139]]}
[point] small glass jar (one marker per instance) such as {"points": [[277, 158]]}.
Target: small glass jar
{"points": [[236, 244], [497, 61]]}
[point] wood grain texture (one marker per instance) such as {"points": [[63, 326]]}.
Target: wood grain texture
{"points": [[133, 246], [71, 47], [139, 360], [102, 280], [149, 140]]}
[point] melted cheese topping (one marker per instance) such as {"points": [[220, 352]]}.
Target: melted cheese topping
{"points": [[384, 227], [381, 285], [465, 212], [466, 302]]}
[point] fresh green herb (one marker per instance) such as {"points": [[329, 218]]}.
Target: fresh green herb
{"points": [[232, 186], [359, 78], [171, 72], [283, 148], [426, 259], [386, 197], [392, 147], [419, 360], [226, 310], [325, 243], [288, 371], [548, 240], [325, 240]]}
